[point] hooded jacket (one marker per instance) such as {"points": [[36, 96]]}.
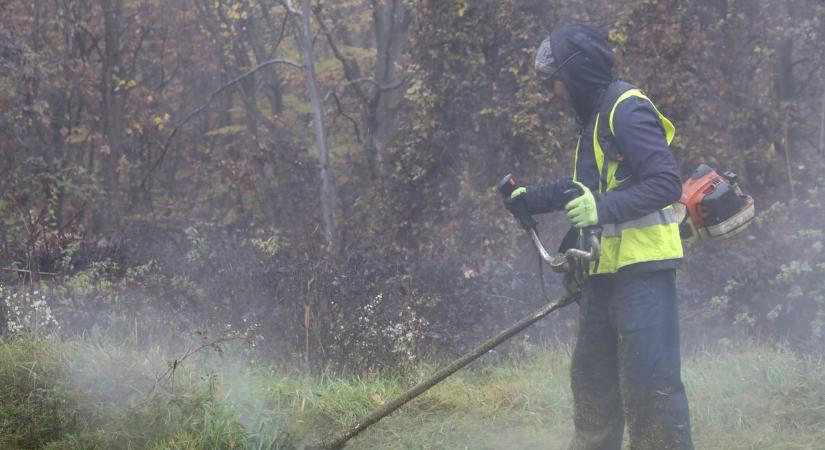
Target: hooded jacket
{"points": [[638, 132]]}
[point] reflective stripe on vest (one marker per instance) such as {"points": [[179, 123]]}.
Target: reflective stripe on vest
{"points": [[653, 237], [662, 217]]}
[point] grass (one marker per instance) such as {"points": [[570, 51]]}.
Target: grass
{"points": [[81, 395]]}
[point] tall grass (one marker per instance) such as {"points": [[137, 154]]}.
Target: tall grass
{"points": [[81, 395]]}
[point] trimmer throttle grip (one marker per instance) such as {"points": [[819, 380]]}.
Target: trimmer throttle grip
{"points": [[517, 206], [572, 192], [507, 185]]}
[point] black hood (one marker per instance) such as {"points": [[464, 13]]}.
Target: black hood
{"points": [[589, 72]]}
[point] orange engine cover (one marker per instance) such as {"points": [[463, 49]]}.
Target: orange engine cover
{"points": [[694, 190], [713, 206]]}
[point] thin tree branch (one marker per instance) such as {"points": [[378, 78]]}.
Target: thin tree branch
{"points": [[334, 95], [292, 8], [77, 215], [371, 80], [804, 84], [211, 98], [169, 374], [30, 272], [800, 61], [351, 69], [281, 35]]}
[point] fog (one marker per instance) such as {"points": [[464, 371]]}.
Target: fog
{"points": [[309, 186]]}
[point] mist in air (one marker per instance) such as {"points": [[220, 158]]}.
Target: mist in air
{"points": [[250, 223]]}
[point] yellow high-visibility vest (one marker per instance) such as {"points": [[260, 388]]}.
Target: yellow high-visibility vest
{"points": [[653, 237]]}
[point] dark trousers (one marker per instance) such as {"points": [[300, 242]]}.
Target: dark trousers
{"points": [[626, 365]]}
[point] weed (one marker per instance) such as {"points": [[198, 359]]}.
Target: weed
{"points": [[83, 394]]}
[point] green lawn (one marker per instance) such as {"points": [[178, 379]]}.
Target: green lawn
{"points": [[73, 395]]}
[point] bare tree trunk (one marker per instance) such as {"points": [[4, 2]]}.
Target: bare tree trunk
{"points": [[822, 124], [112, 107], [306, 43], [266, 195], [785, 144], [391, 20], [785, 89], [391, 24]]}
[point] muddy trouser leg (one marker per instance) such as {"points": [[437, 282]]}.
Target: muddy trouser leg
{"points": [[655, 405], [594, 375]]}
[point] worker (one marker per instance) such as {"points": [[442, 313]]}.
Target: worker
{"points": [[625, 368]]}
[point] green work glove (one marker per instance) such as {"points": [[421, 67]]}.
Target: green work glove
{"points": [[582, 209], [517, 206], [518, 192]]}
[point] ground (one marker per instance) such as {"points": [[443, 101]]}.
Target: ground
{"points": [[76, 394]]}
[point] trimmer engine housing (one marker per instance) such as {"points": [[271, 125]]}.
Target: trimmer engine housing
{"points": [[713, 206]]}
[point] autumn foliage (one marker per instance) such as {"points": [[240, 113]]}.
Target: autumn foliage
{"points": [[143, 181]]}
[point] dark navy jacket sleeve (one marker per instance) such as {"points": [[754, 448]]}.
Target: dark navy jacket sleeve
{"points": [[546, 197], [648, 159]]}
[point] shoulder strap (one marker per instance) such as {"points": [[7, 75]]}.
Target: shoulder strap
{"points": [[605, 132]]}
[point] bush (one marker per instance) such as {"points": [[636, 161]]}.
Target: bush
{"points": [[85, 395], [770, 281]]}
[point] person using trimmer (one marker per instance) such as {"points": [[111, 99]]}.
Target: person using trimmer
{"points": [[625, 368]]}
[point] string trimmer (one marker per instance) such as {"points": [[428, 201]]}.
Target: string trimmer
{"points": [[558, 262], [712, 206]]}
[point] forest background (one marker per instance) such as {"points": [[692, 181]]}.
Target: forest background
{"points": [[161, 175]]}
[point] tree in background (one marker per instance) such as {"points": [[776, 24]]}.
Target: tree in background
{"points": [[148, 165]]}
